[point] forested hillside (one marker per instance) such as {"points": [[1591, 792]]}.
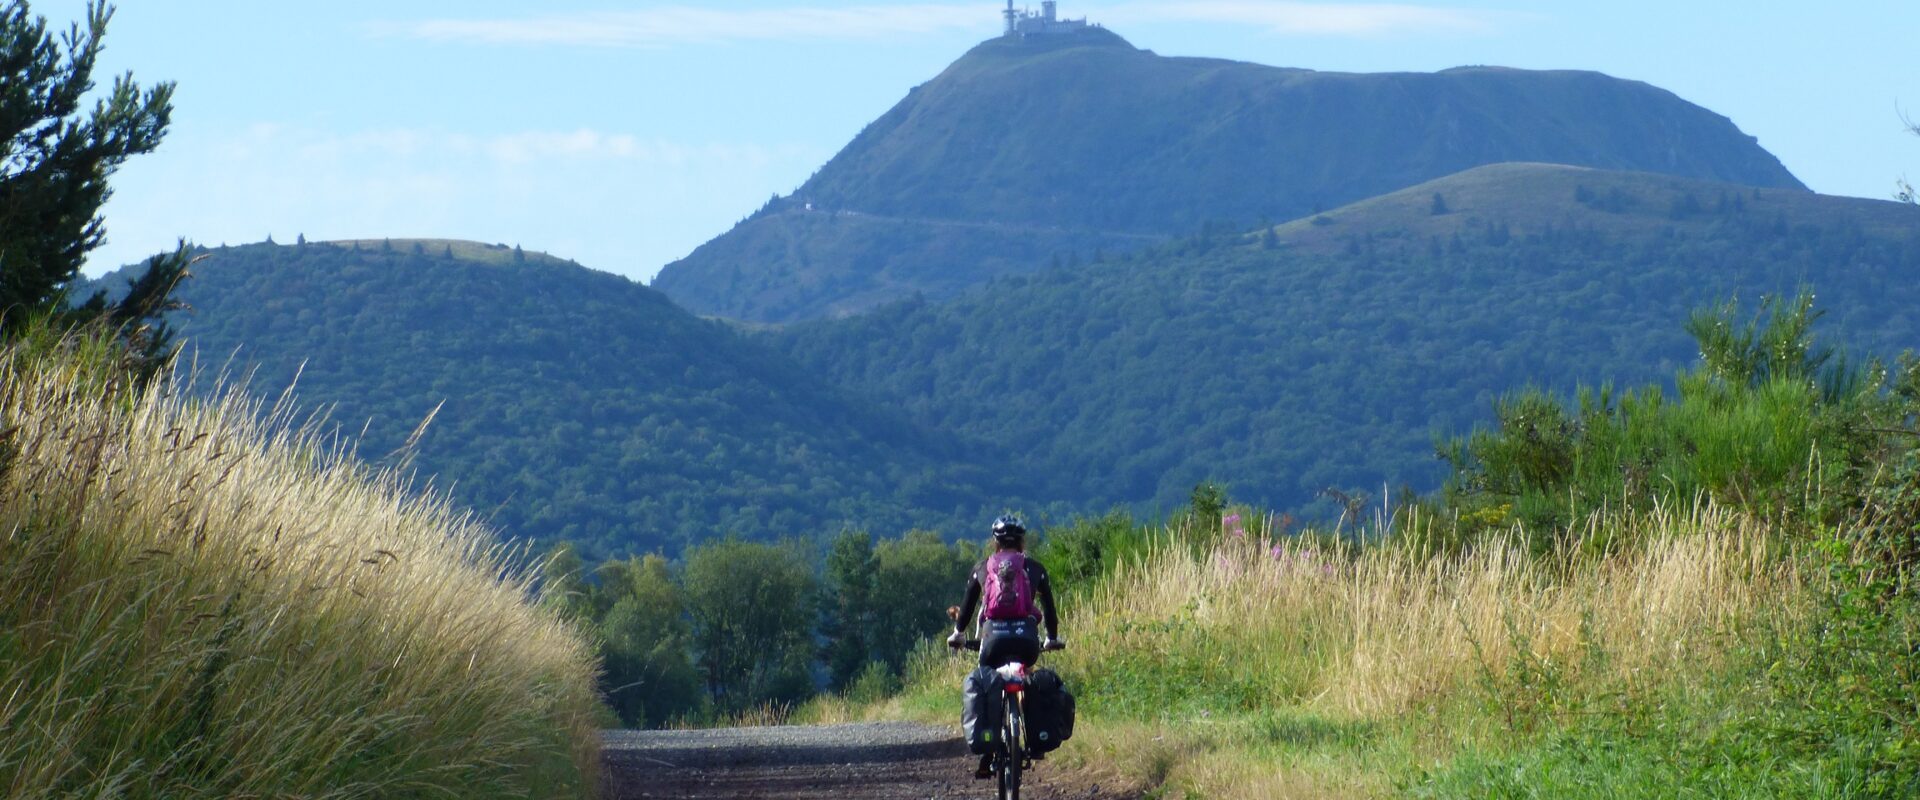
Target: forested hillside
{"points": [[1065, 145], [1324, 353], [1327, 353], [577, 405]]}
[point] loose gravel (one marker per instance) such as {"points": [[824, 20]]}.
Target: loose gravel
{"points": [[867, 761]]}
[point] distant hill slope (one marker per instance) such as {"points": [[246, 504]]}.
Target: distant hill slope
{"points": [[1328, 354], [1542, 199], [578, 404], [1086, 138]]}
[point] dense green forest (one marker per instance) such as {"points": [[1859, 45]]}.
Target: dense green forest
{"points": [[733, 626], [1327, 354], [1323, 354], [1083, 141], [572, 404]]}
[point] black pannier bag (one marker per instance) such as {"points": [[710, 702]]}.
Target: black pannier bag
{"points": [[980, 711], [1049, 711]]}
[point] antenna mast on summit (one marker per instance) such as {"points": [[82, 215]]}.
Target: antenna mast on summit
{"points": [[1046, 22]]}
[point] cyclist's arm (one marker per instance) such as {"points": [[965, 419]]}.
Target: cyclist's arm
{"points": [[1043, 588], [969, 605]]}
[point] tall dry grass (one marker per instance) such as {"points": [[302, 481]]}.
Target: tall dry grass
{"points": [[198, 599], [1383, 629], [1255, 667]]}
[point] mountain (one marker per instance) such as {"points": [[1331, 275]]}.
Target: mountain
{"points": [[1028, 149], [577, 404], [1328, 352]]}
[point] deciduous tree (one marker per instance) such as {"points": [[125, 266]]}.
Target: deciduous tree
{"points": [[649, 678], [752, 607]]}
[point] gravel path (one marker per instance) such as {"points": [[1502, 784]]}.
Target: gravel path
{"points": [[869, 761]]}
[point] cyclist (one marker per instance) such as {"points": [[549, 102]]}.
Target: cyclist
{"points": [[1006, 638]]}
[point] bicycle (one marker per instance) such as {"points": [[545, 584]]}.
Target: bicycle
{"points": [[1011, 757]]}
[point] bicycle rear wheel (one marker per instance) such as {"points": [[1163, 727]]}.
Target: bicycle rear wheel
{"points": [[1000, 775], [1016, 753]]}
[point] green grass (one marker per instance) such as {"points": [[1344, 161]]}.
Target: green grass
{"points": [[1762, 726]]}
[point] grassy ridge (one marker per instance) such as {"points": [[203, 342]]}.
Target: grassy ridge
{"points": [[198, 601]]}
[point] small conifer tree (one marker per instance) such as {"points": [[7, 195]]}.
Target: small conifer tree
{"points": [[57, 157], [55, 160]]}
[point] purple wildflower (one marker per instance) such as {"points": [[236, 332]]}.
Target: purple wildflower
{"points": [[1232, 523]]}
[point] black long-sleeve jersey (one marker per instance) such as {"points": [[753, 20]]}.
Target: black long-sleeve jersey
{"points": [[1042, 591]]}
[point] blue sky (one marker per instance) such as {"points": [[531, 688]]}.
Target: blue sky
{"points": [[623, 135]]}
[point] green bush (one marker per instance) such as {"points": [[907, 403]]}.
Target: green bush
{"points": [[1081, 551], [1769, 423], [875, 683]]}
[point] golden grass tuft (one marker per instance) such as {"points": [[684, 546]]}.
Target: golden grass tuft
{"points": [[198, 599], [1288, 668], [1368, 631]]}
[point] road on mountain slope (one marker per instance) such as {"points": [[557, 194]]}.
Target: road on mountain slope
{"points": [[867, 761], [988, 225]]}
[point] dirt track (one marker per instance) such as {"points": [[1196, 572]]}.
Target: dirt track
{"points": [[870, 761]]}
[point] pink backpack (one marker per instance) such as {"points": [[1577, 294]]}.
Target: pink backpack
{"points": [[1008, 593]]}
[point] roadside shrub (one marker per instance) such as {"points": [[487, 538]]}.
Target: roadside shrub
{"points": [[1770, 423], [1849, 693], [1088, 547]]}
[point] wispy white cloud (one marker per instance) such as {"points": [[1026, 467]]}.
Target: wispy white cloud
{"points": [[613, 200], [671, 25], [677, 25], [1312, 19], [523, 147]]}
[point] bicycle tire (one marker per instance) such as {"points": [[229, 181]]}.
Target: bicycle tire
{"points": [[1000, 772], [1016, 750]]}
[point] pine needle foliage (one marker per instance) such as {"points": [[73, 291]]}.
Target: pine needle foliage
{"points": [[1771, 422], [55, 159]]}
